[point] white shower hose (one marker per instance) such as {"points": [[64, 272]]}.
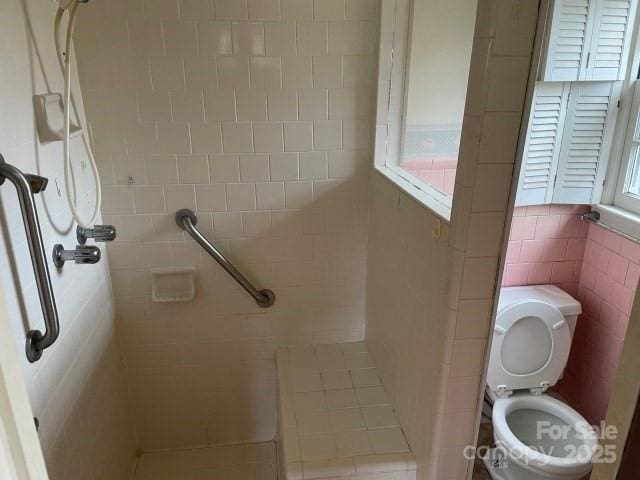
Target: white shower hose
{"points": [[64, 57]]}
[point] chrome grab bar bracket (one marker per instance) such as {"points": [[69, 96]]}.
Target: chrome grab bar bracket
{"points": [[187, 220], [26, 185], [269, 298], [99, 233], [83, 254], [183, 214]]}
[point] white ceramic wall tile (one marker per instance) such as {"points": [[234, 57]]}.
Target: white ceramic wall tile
{"points": [[298, 136], [77, 388], [193, 169], [280, 38], [254, 168], [251, 104], [297, 9], [237, 137], [313, 166], [196, 9], [283, 104], [211, 198], [267, 137], [220, 107], [230, 9], [220, 104], [296, 72]]}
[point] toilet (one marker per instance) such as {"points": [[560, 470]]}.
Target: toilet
{"points": [[536, 435]]}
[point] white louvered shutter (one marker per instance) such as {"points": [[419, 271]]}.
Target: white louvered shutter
{"points": [[586, 141], [611, 39], [567, 47], [542, 146]]}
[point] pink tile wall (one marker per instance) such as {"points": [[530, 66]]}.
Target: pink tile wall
{"points": [[550, 244], [438, 172], [546, 246], [607, 286]]}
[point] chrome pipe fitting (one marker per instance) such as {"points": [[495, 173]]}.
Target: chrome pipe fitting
{"points": [[83, 254], [99, 233]]}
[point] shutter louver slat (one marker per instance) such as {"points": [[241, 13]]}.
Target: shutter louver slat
{"points": [[542, 146]]}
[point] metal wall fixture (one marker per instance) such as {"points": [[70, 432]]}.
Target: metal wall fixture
{"points": [[187, 220], [26, 186], [82, 255], [594, 217], [99, 233]]}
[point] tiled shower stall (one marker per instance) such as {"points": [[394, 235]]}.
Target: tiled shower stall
{"points": [[257, 116]]}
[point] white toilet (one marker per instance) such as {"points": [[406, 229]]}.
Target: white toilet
{"points": [[537, 436]]}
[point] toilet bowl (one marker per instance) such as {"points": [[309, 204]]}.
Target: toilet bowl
{"points": [[540, 437], [537, 436]]}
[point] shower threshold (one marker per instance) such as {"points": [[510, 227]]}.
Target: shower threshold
{"points": [[253, 461]]}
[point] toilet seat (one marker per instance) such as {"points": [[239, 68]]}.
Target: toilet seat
{"points": [[568, 467], [531, 343]]}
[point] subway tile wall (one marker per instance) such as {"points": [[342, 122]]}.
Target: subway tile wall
{"points": [[608, 284], [406, 315], [257, 115], [546, 245], [77, 390]]}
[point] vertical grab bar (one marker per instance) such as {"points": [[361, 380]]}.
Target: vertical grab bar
{"points": [[186, 219], [26, 185]]}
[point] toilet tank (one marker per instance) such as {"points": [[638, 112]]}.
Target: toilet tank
{"points": [[549, 294]]}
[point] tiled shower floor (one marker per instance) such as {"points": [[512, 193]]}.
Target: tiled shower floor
{"points": [[255, 461]]}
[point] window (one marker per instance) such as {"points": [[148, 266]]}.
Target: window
{"points": [[436, 90], [619, 203], [422, 94], [627, 193]]}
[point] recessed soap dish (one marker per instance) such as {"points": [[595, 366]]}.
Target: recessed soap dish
{"points": [[49, 111], [173, 285]]}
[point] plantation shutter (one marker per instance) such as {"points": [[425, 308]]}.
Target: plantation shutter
{"points": [[542, 145], [611, 40], [586, 141], [571, 25]]}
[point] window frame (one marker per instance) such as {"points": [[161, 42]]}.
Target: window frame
{"points": [[618, 207], [393, 75], [622, 198]]}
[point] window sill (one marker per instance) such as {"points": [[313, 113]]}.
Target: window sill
{"points": [[427, 196], [621, 221]]}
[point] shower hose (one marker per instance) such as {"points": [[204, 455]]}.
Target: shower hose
{"points": [[64, 58]]}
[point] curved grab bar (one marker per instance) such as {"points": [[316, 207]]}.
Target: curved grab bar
{"points": [[187, 220], [26, 185]]}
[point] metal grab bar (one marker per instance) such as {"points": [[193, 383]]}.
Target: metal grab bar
{"points": [[187, 220], [26, 185]]}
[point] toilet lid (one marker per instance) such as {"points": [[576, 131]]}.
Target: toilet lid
{"points": [[531, 342]]}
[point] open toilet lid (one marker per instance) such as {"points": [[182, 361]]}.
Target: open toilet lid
{"points": [[531, 342]]}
